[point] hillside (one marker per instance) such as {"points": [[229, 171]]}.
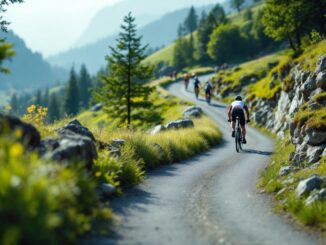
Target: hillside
{"points": [[166, 54], [29, 70], [100, 26], [93, 55]]}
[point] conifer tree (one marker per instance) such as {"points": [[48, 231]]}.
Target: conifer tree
{"points": [[84, 87], [38, 98], [190, 24], [14, 104], [237, 4], [54, 108], [124, 90], [45, 98], [71, 104]]}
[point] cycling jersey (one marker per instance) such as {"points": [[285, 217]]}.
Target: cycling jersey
{"points": [[196, 83], [208, 88], [238, 105]]}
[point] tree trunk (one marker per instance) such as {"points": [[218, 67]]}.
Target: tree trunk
{"points": [[292, 44]]}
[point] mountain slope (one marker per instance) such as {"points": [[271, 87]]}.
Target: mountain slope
{"points": [[105, 21], [157, 34], [28, 69]]}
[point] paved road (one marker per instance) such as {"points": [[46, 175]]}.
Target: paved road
{"points": [[210, 199]]}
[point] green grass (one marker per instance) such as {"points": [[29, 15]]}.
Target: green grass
{"points": [[311, 119], [311, 215]]}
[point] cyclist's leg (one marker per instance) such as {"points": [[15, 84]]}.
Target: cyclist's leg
{"points": [[233, 120], [243, 127]]}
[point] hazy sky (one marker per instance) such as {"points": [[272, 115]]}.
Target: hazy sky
{"points": [[44, 22], [51, 26]]}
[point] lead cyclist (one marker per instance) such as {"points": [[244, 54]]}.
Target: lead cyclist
{"points": [[237, 109]]}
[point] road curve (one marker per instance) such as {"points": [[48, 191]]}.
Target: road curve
{"points": [[210, 199]]}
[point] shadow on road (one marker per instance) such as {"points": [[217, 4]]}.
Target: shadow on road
{"points": [[263, 153]]}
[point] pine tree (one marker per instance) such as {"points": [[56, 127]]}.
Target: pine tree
{"points": [[54, 108], [236, 4], [190, 24], [71, 104], [14, 104], [45, 98], [124, 90], [84, 87], [38, 98], [206, 26]]}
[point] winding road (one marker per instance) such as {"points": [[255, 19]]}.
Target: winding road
{"points": [[210, 199]]}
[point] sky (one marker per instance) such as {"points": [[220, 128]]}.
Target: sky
{"points": [[44, 23]]}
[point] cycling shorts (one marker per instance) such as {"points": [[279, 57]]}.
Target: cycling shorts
{"points": [[238, 112]]}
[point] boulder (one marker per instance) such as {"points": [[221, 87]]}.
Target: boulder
{"points": [[30, 136], [70, 147], [158, 129], [185, 123], [97, 107], [192, 111], [75, 127], [285, 170], [309, 184], [318, 196], [321, 64], [314, 137], [321, 80], [314, 153]]}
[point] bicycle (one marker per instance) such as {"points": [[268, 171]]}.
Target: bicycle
{"points": [[238, 136], [196, 92], [208, 98]]}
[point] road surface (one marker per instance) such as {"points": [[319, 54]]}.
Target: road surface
{"points": [[210, 199]]}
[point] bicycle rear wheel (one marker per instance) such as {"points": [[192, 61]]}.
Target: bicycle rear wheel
{"points": [[237, 142]]}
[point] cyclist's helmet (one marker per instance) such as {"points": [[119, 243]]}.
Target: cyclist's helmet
{"points": [[238, 98]]}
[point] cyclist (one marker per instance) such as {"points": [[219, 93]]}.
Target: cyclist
{"points": [[186, 79], [208, 91], [196, 84], [237, 109]]}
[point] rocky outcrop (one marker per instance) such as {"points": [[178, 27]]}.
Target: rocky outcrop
{"points": [[179, 124], [307, 185], [97, 107], [277, 114]]}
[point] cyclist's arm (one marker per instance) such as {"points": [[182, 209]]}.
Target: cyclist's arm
{"points": [[229, 112], [247, 112]]}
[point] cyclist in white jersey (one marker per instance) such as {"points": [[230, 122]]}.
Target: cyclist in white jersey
{"points": [[237, 109]]}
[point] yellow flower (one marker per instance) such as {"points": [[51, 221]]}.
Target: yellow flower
{"points": [[31, 109], [98, 174], [16, 150]]}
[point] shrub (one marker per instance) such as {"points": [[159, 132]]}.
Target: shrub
{"points": [[43, 202]]}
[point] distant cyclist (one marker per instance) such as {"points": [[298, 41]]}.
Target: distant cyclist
{"points": [[196, 84], [237, 109], [186, 79], [208, 91]]}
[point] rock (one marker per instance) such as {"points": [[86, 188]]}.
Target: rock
{"points": [[158, 129], [300, 154], [308, 86], [75, 127], [321, 80], [185, 123], [314, 153], [318, 196], [106, 190], [70, 147], [118, 143], [285, 170], [309, 184], [192, 111], [321, 64], [314, 105], [97, 107], [315, 137], [31, 138]]}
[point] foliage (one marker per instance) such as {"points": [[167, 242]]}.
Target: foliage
{"points": [[36, 115], [3, 23], [191, 21], [84, 85], [124, 90], [226, 44], [311, 118], [43, 202], [54, 108], [293, 19]]}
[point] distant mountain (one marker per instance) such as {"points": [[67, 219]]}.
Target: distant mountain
{"points": [[106, 21], [157, 34], [28, 69]]}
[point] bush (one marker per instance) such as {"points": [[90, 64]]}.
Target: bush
{"points": [[43, 202]]}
